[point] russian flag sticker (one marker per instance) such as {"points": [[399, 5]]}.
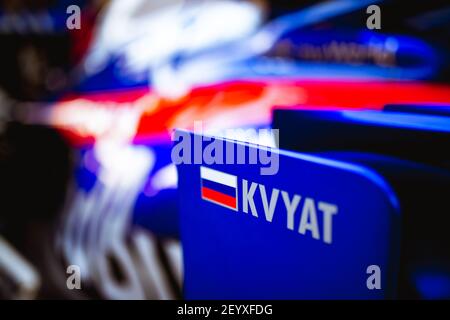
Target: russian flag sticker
{"points": [[219, 187]]}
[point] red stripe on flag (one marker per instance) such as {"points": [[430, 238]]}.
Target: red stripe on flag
{"points": [[219, 197]]}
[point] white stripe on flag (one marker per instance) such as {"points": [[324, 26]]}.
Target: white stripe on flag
{"points": [[218, 177]]}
